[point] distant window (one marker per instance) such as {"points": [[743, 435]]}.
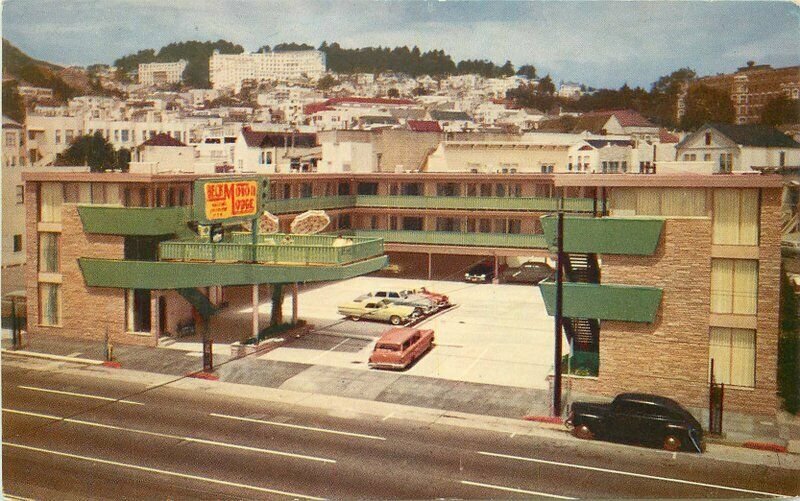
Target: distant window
{"points": [[58, 136], [782, 158], [707, 157], [708, 138], [10, 140], [20, 194], [17, 243]]}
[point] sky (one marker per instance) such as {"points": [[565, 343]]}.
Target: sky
{"points": [[599, 43]]}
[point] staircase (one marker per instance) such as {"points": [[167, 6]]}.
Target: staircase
{"points": [[199, 301], [583, 333], [582, 268]]}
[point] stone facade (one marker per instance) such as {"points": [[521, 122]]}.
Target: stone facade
{"points": [[86, 312], [671, 356]]}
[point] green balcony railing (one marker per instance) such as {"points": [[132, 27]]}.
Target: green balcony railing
{"points": [[290, 205], [134, 221], [628, 303], [542, 204], [524, 241], [474, 203], [605, 235], [274, 249], [128, 274]]}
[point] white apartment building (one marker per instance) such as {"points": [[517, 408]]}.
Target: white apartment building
{"points": [[14, 160], [161, 73], [230, 70]]}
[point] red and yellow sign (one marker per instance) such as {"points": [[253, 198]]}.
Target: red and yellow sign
{"points": [[231, 199]]}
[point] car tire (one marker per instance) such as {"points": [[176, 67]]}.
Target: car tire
{"points": [[583, 432], [395, 320], [672, 443], [355, 318]]}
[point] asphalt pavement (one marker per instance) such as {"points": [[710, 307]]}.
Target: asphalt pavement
{"points": [[91, 433]]}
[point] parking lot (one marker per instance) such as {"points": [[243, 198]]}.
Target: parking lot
{"points": [[496, 334]]}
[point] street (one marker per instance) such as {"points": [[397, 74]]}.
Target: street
{"points": [[97, 437]]}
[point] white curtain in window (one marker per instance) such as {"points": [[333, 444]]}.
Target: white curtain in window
{"points": [[721, 286], [648, 202], [726, 217], [734, 355], [48, 252], [52, 197], [85, 193], [748, 218], [623, 199], [683, 202], [50, 303], [745, 287]]}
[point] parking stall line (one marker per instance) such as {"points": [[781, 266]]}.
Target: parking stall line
{"points": [[297, 426], [514, 489], [170, 436], [79, 395], [631, 474], [161, 472]]}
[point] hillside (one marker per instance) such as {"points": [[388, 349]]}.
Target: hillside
{"points": [[23, 68]]}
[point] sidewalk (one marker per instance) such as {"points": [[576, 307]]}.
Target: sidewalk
{"points": [[375, 386]]}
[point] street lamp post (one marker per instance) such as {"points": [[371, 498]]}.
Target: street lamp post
{"points": [[559, 311]]}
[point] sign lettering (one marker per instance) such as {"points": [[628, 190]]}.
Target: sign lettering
{"points": [[225, 200]]}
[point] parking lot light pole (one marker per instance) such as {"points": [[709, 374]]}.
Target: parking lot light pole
{"points": [[559, 311]]}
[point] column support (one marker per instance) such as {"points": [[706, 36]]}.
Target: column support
{"points": [[255, 311]]}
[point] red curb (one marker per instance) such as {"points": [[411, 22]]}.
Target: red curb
{"points": [[544, 419], [114, 365], [204, 375], [765, 446]]}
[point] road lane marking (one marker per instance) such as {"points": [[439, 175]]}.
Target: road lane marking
{"points": [[512, 489], [631, 474], [82, 395], [170, 436], [387, 416], [297, 426], [162, 472]]}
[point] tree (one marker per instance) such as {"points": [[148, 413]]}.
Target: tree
{"points": [[507, 69], [788, 345], [326, 82], [706, 104], [393, 93], [664, 94], [94, 151], [781, 110], [13, 105], [527, 71], [546, 86]]}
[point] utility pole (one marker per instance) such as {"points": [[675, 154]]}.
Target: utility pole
{"points": [[559, 311]]}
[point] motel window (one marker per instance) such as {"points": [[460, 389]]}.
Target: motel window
{"points": [[472, 225], [515, 226], [472, 190], [52, 197], [412, 223], [392, 222], [69, 134], [50, 304], [49, 261], [447, 224], [447, 190], [670, 202], [58, 136], [373, 222], [486, 190], [344, 221], [19, 194], [485, 225], [137, 310], [17, 243], [734, 286], [367, 188], [734, 355], [736, 215], [500, 190], [344, 189], [305, 190], [411, 189]]}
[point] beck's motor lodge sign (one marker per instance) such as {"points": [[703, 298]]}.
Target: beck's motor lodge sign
{"points": [[230, 199]]}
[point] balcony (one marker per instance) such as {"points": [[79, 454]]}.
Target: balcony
{"points": [[291, 205], [160, 275], [134, 221], [542, 204], [510, 240], [605, 235], [626, 303], [474, 203], [275, 248]]}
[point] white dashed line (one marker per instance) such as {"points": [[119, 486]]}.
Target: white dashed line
{"points": [[81, 395], [513, 489], [297, 426], [162, 472], [630, 474]]}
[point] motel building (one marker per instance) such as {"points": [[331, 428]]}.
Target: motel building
{"points": [[664, 272]]}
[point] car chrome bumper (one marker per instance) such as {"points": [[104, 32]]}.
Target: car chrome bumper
{"points": [[385, 365]]}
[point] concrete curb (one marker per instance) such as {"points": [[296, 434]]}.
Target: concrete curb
{"points": [[48, 356]]}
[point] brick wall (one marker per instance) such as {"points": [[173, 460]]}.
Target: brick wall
{"points": [[86, 312], [670, 356]]}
